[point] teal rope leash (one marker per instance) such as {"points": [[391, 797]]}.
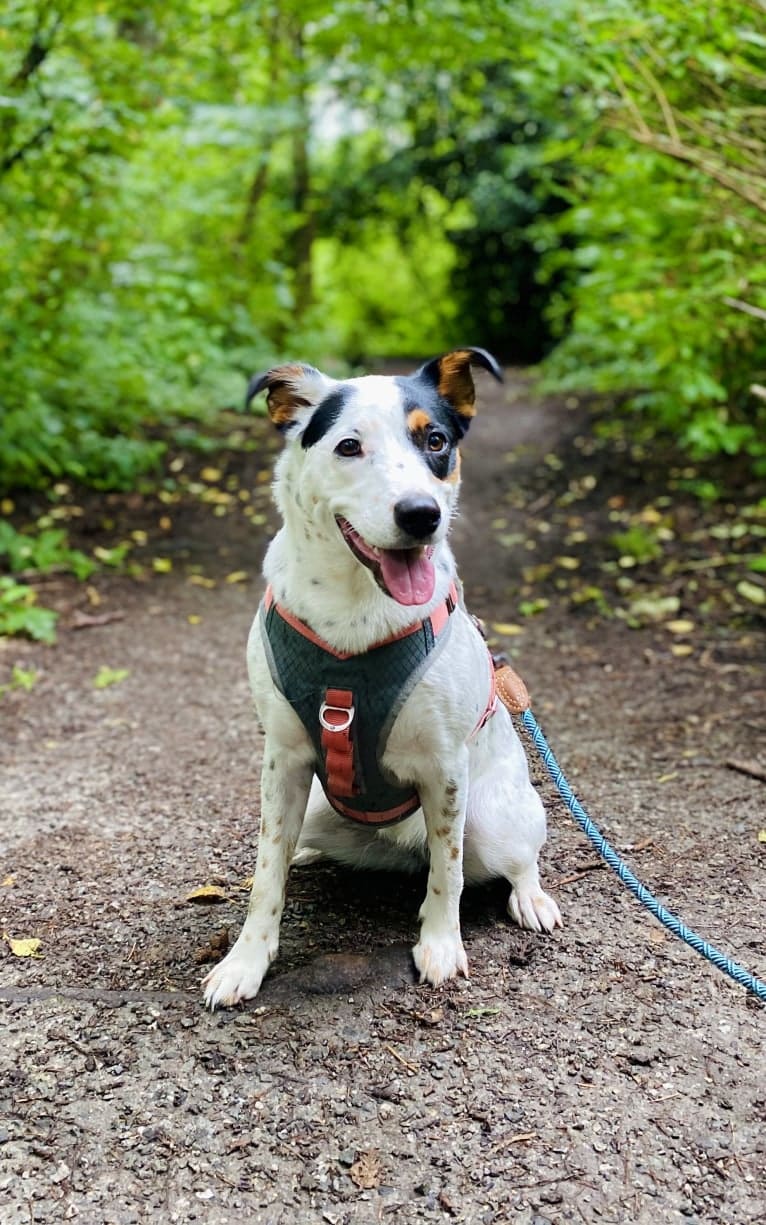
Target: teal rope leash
{"points": [[618, 865]]}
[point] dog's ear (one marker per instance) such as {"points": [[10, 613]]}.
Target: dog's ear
{"points": [[451, 376], [289, 390]]}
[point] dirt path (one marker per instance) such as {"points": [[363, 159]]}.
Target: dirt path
{"points": [[605, 1074]]}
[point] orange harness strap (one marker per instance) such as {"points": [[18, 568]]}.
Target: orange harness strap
{"points": [[336, 715]]}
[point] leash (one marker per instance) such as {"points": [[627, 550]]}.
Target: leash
{"points": [[514, 694]]}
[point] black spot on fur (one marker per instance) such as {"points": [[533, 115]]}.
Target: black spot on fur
{"points": [[325, 416]]}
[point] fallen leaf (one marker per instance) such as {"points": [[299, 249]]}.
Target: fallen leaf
{"points": [[762, 835], [208, 895], [237, 576], [666, 778], [194, 619], [507, 628], [162, 565], [25, 948], [681, 626], [211, 475], [434, 1017], [217, 945], [8, 881], [199, 580], [752, 592], [654, 608], [681, 649], [109, 676], [530, 608], [366, 1171]]}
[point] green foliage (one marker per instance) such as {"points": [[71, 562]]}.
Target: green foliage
{"points": [[192, 190], [19, 613], [47, 551], [638, 543], [666, 292]]}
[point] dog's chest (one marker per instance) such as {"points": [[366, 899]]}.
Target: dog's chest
{"points": [[349, 703]]}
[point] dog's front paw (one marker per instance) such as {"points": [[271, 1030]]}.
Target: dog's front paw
{"points": [[534, 909], [238, 976], [438, 957]]}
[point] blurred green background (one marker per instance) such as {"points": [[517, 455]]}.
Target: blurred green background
{"points": [[193, 189]]}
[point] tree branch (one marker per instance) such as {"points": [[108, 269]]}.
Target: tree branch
{"points": [[38, 50], [11, 159], [697, 157], [746, 307]]}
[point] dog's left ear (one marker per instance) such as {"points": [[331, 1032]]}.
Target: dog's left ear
{"points": [[289, 389], [451, 376]]}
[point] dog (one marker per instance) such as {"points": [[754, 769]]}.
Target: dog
{"points": [[384, 744]]}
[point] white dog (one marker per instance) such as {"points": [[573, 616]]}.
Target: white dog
{"points": [[371, 680]]}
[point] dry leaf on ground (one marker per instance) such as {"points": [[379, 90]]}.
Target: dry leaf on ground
{"points": [[366, 1171], [208, 895], [26, 947]]}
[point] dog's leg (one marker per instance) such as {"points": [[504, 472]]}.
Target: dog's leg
{"points": [[505, 832], [439, 953], [284, 792]]}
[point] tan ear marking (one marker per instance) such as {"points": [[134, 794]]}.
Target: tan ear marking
{"points": [[289, 389], [282, 399], [455, 382]]}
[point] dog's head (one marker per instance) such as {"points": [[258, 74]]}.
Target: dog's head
{"points": [[372, 463]]}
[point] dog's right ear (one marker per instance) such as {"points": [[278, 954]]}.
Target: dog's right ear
{"points": [[289, 390]]}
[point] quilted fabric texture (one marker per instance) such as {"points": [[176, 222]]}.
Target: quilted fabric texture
{"points": [[381, 679]]}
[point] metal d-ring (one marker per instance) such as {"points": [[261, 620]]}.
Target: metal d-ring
{"points": [[348, 711]]}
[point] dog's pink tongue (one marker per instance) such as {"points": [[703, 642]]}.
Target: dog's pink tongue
{"points": [[408, 575]]}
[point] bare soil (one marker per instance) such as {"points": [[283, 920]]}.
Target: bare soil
{"points": [[603, 1074]]}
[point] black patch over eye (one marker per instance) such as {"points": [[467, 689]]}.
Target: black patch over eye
{"points": [[348, 448], [436, 442]]}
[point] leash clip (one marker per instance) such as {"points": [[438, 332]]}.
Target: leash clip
{"points": [[346, 713]]}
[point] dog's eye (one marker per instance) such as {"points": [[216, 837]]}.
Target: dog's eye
{"points": [[437, 442], [348, 447]]}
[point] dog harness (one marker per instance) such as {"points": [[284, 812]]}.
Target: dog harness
{"points": [[348, 704]]}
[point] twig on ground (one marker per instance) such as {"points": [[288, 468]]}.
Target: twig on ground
{"points": [[751, 768]]}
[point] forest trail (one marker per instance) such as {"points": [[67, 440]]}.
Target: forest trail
{"points": [[603, 1074]]}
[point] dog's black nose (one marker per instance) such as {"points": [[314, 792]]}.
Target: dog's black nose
{"points": [[417, 516]]}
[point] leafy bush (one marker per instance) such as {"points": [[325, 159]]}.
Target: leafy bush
{"points": [[47, 551], [189, 192], [19, 613]]}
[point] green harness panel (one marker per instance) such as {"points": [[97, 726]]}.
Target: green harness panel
{"points": [[304, 669]]}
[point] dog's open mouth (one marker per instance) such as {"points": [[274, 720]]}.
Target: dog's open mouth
{"points": [[407, 575]]}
